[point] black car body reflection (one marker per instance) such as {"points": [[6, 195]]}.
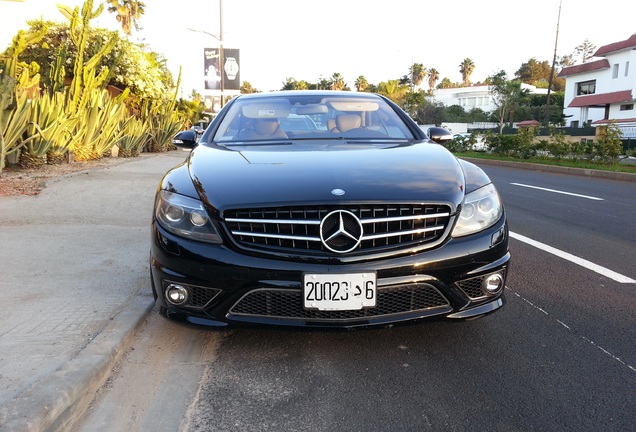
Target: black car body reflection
{"points": [[358, 221]]}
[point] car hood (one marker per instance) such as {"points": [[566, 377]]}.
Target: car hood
{"points": [[290, 174]]}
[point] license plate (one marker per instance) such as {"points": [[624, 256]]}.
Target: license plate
{"points": [[334, 292]]}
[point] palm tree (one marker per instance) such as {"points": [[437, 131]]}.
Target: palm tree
{"points": [[289, 84], [418, 73], [128, 13], [393, 90], [301, 85], [246, 87], [292, 84], [466, 68], [433, 77], [322, 84], [337, 82], [446, 83], [361, 83]]}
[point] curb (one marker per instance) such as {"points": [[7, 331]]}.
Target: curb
{"points": [[612, 175], [52, 402]]}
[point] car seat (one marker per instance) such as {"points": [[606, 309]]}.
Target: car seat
{"points": [[264, 128], [346, 122]]}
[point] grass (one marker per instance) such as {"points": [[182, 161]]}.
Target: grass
{"points": [[615, 167]]}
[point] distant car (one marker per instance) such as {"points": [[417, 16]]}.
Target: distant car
{"points": [[476, 141], [199, 130], [360, 222], [439, 134]]}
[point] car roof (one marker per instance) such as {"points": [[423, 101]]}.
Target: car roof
{"points": [[315, 93]]}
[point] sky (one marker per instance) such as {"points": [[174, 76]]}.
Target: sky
{"points": [[280, 39]]}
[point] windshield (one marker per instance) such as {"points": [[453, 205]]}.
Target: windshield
{"points": [[309, 116]]}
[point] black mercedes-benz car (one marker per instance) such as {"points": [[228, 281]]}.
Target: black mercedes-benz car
{"points": [[325, 209]]}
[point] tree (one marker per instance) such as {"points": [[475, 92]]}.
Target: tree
{"points": [[536, 104], [322, 84], [533, 72], [337, 82], [430, 113], [446, 83], [292, 84], [361, 83], [393, 90], [433, 77], [130, 65], [566, 60], [246, 87], [289, 84], [412, 100], [585, 51], [517, 96], [477, 115], [418, 73], [466, 68], [128, 13], [456, 114], [506, 96], [191, 110]]}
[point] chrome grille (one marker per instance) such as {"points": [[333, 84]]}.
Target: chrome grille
{"points": [[288, 304], [298, 228]]}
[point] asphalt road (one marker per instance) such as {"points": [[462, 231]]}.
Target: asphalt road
{"points": [[560, 356]]}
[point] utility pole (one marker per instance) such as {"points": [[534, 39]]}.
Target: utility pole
{"points": [[221, 54], [551, 78]]}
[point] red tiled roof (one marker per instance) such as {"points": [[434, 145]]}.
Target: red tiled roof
{"points": [[601, 99], [528, 123], [616, 46], [584, 67], [619, 121]]}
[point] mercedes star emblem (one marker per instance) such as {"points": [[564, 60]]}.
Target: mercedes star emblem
{"points": [[341, 231]]}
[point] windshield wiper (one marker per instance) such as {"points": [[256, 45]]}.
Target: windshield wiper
{"points": [[258, 143], [377, 140]]}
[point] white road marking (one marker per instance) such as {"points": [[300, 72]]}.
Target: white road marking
{"points": [[558, 191], [574, 259], [603, 350]]}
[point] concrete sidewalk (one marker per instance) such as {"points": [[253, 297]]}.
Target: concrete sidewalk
{"points": [[75, 283]]}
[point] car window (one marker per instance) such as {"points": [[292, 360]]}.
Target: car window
{"points": [[296, 122], [304, 116]]}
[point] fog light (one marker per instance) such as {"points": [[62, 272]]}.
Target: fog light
{"points": [[176, 294], [493, 283]]}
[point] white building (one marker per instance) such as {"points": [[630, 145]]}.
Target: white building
{"points": [[603, 90], [477, 96]]}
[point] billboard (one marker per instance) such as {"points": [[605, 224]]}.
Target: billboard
{"points": [[229, 72]]}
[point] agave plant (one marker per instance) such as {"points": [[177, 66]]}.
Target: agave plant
{"points": [[164, 127], [99, 127], [50, 128], [164, 122], [134, 138], [15, 111]]}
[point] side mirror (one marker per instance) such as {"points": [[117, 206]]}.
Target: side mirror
{"points": [[185, 139], [439, 135]]}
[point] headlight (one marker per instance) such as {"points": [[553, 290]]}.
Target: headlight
{"points": [[480, 210], [185, 217]]}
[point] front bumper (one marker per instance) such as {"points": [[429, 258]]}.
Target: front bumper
{"points": [[230, 288]]}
